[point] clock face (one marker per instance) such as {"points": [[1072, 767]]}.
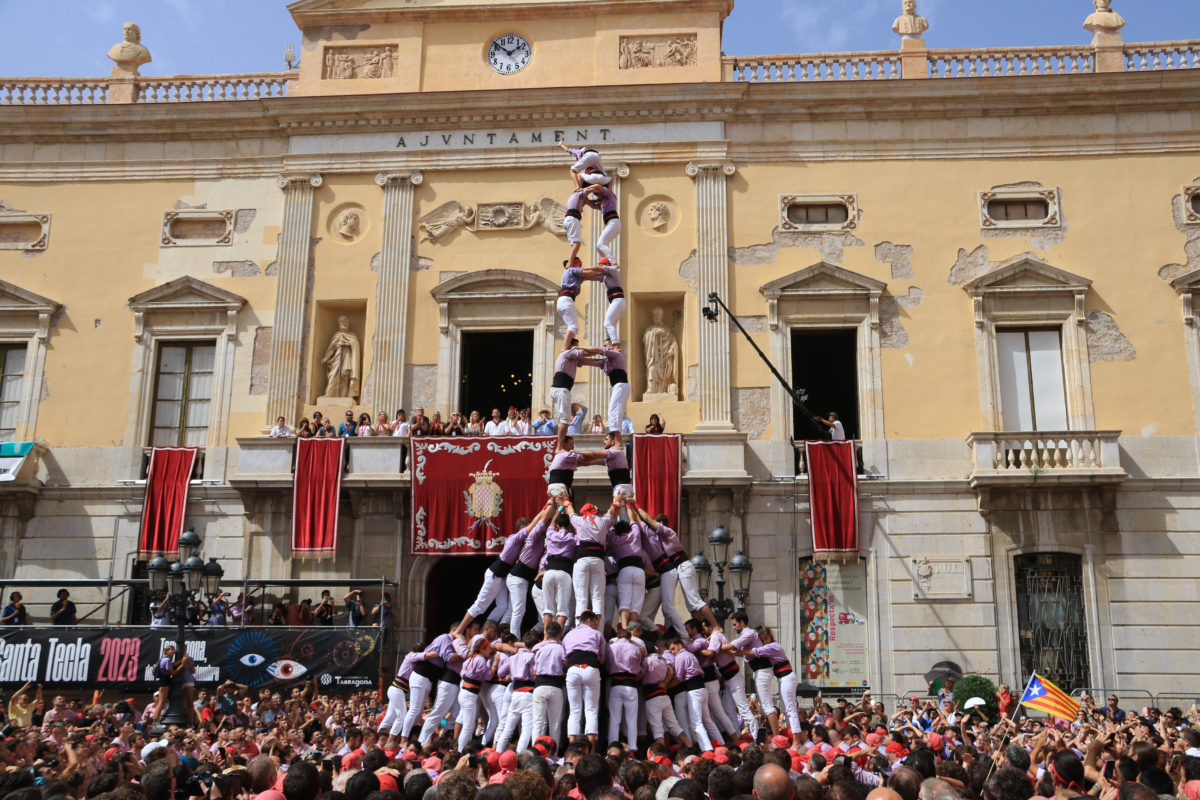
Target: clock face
{"points": [[509, 53]]}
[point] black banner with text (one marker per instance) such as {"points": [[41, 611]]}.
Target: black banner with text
{"points": [[126, 658]]}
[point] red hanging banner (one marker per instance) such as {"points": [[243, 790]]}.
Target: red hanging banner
{"points": [[468, 492], [316, 497], [657, 469], [833, 499], [165, 504]]}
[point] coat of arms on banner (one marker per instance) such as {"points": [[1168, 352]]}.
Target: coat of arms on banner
{"points": [[484, 498]]}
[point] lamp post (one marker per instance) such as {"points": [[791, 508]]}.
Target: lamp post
{"points": [[739, 571], [181, 580]]}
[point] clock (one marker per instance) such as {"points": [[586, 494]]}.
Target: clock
{"points": [[509, 53]]}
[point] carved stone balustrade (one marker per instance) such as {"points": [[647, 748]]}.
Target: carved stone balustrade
{"points": [[1049, 458]]}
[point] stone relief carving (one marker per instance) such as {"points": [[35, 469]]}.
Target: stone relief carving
{"points": [[129, 54], [362, 63], [197, 227], [509, 215], [639, 52], [942, 578], [348, 224], [342, 360], [658, 215]]}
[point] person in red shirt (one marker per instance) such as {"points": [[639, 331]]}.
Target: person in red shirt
{"points": [[1004, 700]]}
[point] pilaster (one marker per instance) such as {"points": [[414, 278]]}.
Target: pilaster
{"points": [[597, 305], [291, 293], [712, 255], [391, 295]]}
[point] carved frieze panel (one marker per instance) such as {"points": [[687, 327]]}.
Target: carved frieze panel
{"points": [[818, 212], [1191, 204], [640, 52], [503, 216], [939, 578], [23, 231], [197, 227], [1020, 208], [359, 63]]}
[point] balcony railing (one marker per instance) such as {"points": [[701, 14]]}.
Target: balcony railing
{"points": [[1010, 62], [170, 89], [802, 465], [1162, 55], [1051, 457], [812, 68]]}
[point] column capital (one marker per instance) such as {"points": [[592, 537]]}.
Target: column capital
{"points": [[621, 171], [695, 169], [385, 179], [290, 179]]}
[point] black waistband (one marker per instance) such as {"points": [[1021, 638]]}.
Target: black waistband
{"points": [[609, 216], [471, 685], [677, 690], [400, 683], [710, 673], [574, 212], [694, 684], [619, 475], [563, 291], [500, 568], [623, 679], [522, 686], [562, 380], [652, 690], [758, 663], [618, 376], [563, 476], [582, 658], [523, 571], [561, 563], [450, 676], [653, 582], [589, 550], [428, 671], [631, 561], [729, 670], [550, 680], [782, 668], [668, 562], [614, 292]]}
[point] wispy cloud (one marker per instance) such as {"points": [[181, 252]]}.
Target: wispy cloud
{"points": [[101, 12], [822, 26], [186, 12]]}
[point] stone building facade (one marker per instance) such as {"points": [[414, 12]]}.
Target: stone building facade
{"points": [[989, 257]]}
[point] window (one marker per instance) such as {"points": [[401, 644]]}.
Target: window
{"points": [[1018, 210], [1191, 203], [1033, 394], [818, 212], [182, 394], [13, 373], [1051, 621]]}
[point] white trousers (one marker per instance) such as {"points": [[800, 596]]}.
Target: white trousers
{"points": [[393, 720], [447, 694], [583, 701], [560, 402], [787, 698], [468, 716], [661, 717], [618, 399], [737, 690], [671, 618], [495, 703], [418, 693], [631, 588], [588, 578], [574, 229], [716, 711], [539, 601], [680, 705], [651, 604], [518, 592], [622, 707], [610, 600], [697, 701], [612, 320], [762, 687], [547, 712], [612, 229], [558, 589], [686, 574], [492, 591], [520, 712], [568, 312], [591, 160]]}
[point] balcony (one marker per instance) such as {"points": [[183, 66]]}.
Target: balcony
{"points": [[1044, 458]]}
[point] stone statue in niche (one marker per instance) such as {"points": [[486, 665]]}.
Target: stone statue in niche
{"points": [[638, 52], [349, 224], [1105, 20], [342, 361], [910, 25], [129, 54], [662, 356], [366, 63]]}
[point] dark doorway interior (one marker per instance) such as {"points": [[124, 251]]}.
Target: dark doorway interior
{"points": [[497, 371], [825, 363], [451, 588], [1051, 618], [138, 607]]}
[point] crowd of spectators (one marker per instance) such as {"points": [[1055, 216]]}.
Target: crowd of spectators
{"points": [[300, 744]]}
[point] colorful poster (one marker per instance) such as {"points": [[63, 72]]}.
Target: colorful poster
{"points": [[833, 626]]}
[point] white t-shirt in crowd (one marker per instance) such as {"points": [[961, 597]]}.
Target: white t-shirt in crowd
{"points": [[401, 429], [837, 432], [279, 431], [494, 428]]}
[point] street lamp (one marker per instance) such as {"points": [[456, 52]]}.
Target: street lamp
{"points": [[180, 581], [740, 569], [720, 541], [703, 573]]}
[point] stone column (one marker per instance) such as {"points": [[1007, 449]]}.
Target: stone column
{"points": [[291, 293], [597, 391], [712, 255], [391, 294]]}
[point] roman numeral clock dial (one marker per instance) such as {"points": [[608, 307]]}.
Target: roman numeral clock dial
{"points": [[509, 53]]}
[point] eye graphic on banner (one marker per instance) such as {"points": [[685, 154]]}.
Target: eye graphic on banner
{"points": [[249, 656], [484, 498], [286, 670]]}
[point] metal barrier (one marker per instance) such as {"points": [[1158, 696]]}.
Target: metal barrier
{"points": [[1184, 701]]}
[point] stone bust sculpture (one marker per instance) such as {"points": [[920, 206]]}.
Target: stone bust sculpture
{"points": [[910, 25], [662, 351], [131, 53], [349, 224], [341, 360], [1105, 20]]}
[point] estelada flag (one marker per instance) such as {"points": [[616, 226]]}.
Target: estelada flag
{"points": [[1045, 696]]}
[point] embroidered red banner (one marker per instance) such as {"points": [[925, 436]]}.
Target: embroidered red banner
{"points": [[657, 468], [316, 497], [468, 492], [165, 504], [833, 499]]}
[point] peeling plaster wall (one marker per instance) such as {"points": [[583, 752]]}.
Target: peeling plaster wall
{"points": [[898, 255], [1105, 340], [751, 408]]}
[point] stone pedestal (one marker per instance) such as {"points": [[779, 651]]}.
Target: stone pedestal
{"points": [[914, 59], [122, 87], [660, 397], [1110, 51]]}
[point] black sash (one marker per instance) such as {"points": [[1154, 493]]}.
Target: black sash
{"points": [[582, 658], [653, 582], [565, 291], [428, 671], [692, 684], [609, 216], [782, 668], [757, 664], [561, 563], [589, 550], [563, 476], [676, 690], [652, 690], [522, 686], [471, 685], [523, 571], [450, 676], [551, 680], [500, 568], [710, 673], [618, 376], [619, 475], [630, 561], [614, 292], [562, 380], [574, 212], [400, 683], [623, 679], [729, 671]]}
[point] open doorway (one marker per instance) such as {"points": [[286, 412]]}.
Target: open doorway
{"points": [[825, 363], [497, 371], [450, 589]]}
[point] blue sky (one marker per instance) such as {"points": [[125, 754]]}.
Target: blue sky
{"points": [[71, 37]]}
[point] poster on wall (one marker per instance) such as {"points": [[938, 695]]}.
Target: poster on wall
{"points": [[833, 626]]}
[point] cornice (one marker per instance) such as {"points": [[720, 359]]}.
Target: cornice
{"points": [[309, 15]]}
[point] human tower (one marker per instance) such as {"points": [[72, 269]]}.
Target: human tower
{"points": [[597, 581]]}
